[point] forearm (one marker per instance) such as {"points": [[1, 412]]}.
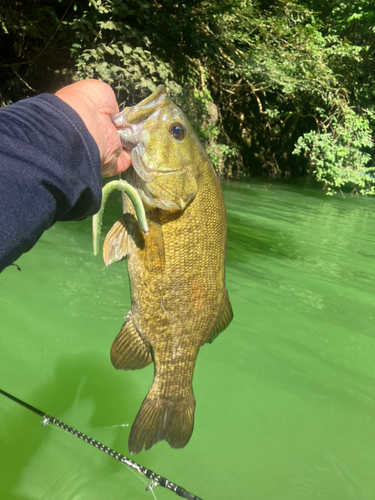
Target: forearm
{"points": [[50, 170]]}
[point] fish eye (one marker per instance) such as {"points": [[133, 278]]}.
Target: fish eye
{"points": [[177, 130]]}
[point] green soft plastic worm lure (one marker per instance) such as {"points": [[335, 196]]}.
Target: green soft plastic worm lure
{"points": [[134, 197]]}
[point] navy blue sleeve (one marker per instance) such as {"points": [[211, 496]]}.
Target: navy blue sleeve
{"points": [[50, 170]]}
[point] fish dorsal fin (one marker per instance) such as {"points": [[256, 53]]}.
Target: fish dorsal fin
{"points": [[129, 351], [223, 319], [116, 245]]}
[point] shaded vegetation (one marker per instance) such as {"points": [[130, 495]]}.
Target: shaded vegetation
{"points": [[278, 88]]}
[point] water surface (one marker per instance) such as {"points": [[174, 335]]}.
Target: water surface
{"points": [[285, 396]]}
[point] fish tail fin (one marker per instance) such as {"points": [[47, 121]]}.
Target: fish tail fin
{"points": [[162, 418]]}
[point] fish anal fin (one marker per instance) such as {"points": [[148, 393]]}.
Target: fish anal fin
{"points": [[117, 244], [129, 351], [223, 319], [161, 418]]}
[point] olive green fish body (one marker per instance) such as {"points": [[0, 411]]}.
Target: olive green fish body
{"points": [[179, 300]]}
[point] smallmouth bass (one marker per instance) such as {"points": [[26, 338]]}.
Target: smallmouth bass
{"points": [[177, 276]]}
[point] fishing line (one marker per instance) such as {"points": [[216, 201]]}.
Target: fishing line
{"points": [[156, 480], [149, 487], [108, 427]]}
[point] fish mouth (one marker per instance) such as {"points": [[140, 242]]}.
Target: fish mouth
{"points": [[129, 137], [136, 115], [130, 121], [130, 126]]}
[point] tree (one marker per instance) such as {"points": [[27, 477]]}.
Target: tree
{"points": [[272, 88]]}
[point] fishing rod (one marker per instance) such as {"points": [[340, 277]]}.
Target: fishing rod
{"points": [[156, 480]]}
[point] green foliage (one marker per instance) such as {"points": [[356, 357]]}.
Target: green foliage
{"points": [[338, 157], [120, 54], [33, 42], [272, 88]]}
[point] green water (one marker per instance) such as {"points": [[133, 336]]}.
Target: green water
{"points": [[285, 396]]}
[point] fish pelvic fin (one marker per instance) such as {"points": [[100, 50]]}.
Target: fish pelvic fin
{"points": [[116, 246], [162, 418], [129, 351], [223, 319]]}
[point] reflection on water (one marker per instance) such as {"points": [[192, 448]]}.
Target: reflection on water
{"points": [[285, 396]]}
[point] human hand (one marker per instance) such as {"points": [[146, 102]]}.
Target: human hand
{"points": [[95, 102]]}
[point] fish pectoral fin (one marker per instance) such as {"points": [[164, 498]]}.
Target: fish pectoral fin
{"points": [[116, 245], [223, 319], [129, 351]]}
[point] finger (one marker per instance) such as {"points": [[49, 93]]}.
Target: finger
{"points": [[124, 161], [117, 166]]}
